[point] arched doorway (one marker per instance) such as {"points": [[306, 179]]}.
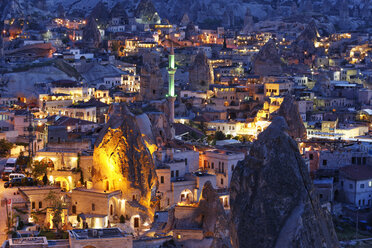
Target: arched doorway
{"points": [[48, 162], [63, 183], [186, 196]]}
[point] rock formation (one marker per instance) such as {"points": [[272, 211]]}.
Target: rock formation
{"points": [[289, 110], [100, 13], [146, 12], [305, 41], [248, 22], [152, 83], [272, 199], [185, 20], [201, 73], [268, 61], [118, 11], [122, 160], [209, 216], [91, 35]]}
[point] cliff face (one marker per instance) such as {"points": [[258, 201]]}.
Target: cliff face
{"points": [[122, 161], [289, 110], [272, 199]]}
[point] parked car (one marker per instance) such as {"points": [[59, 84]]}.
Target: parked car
{"points": [[6, 173], [24, 181], [13, 182], [11, 163], [16, 175]]}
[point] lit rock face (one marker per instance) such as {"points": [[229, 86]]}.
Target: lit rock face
{"points": [[201, 73], [268, 61], [122, 161], [289, 110], [272, 199]]}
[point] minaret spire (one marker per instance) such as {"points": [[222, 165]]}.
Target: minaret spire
{"points": [[171, 91]]}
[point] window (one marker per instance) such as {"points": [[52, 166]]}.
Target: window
{"points": [[172, 173], [33, 205], [185, 161], [362, 186], [311, 156], [350, 186], [320, 196], [93, 207], [370, 184], [222, 181], [40, 204], [353, 160], [324, 162], [162, 179], [342, 183], [177, 173], [73, 209], [136, 222], [232, 167], [212, 165]]}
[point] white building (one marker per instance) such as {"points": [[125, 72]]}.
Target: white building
{"points": [[221, 163], [356, 185]]}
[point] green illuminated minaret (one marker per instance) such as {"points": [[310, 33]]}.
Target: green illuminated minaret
{"points": [[171, 71], [171, 95]]}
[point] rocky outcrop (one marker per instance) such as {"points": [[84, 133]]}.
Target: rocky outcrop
{"points": [[268, 61], [122, 160], [118, 11], [91, 35], [100, 13], [272, 198], [209, 215], [201, 73], [305, 41], [289, 110], [146, 12], [152, 84]]}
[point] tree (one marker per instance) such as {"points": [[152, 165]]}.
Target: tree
{"points": [[45, 179], [22, 160], [57, 206], [219, 135], [5, 147], [39, 169], [122, 219]]}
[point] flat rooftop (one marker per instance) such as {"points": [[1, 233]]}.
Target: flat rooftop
{"points": [[96, 233], [26, 242]]}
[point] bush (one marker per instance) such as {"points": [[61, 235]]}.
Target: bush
{"points": [[122, 219]]}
